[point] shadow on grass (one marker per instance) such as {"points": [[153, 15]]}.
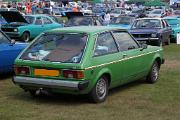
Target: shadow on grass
{"points": [[126, 86], [68, 99], [4, 76]]}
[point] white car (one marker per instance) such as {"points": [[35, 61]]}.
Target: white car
{"points": [[157, 13]]}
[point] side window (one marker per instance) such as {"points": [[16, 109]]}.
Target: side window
{"points": [[3, 39], [125, 41], [47, 21], [105, 44], [38, 21]]}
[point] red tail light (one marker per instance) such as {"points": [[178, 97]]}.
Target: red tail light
{"points": [[21, 70], [78, 74]]}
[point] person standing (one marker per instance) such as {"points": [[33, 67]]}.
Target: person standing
{"points": [[34, 8], [107, 18]]}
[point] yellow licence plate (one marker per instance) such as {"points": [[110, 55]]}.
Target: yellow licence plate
{"points": [[45, 72]]}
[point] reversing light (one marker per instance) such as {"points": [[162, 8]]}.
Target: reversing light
{"points": [[77, 74]]}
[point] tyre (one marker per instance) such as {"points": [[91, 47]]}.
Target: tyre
{"points": [[25, 37], [100, 91], [154, 73]]}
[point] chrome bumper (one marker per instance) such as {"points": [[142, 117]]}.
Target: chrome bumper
{"points": [[50, 83]]}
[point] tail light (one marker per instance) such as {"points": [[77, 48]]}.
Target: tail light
{"points": [[77, 74], [21, 70]]}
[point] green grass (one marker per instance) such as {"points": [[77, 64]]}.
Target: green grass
{"points": [[135, 101]]}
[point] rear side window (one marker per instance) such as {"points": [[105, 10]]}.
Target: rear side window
{"points": [[125, 41], [38, 21], [47, 21], [105, 44]]}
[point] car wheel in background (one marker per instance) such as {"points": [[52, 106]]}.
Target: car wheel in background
{"points": [[100, 91], [154, 73], [25, 37]]}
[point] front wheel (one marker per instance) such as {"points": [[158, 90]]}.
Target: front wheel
{"points": [[25, 37], [154, 73], [100, 91]]}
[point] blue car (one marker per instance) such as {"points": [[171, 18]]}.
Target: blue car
{"points": [[8, 52], [123, 22]]}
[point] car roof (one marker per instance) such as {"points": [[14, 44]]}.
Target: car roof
{"points": [[85, 29], [149, 18]]}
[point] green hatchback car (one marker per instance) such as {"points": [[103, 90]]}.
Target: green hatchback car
{"points": [[85, 60]]}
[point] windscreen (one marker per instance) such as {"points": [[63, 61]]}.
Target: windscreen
{"points": [[65, 48], [147, 23]]}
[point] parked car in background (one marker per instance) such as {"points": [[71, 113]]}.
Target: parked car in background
{"points": [[176, 13], [27, 27], [117, 11], [174, 22], [8, 52], [83, 60], [157, 13], [138, 13], [154, 31], [78, 19], [123, 22]]}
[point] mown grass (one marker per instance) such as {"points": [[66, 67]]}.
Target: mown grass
{"points": [[135, 101]]}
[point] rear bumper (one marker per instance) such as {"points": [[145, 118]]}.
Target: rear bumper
{"points": [[50, 83]]}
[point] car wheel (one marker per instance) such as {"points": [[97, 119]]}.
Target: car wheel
{"points": [[154, 73], [100, 91], [25, 37]]}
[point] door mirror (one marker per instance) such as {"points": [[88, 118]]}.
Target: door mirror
{"points": [[144, 46], [13, 42]]}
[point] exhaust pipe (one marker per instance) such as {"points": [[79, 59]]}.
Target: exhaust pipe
{"points": [[41, 91]]}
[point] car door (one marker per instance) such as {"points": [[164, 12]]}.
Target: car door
{"points": [[48, 24], [37, 27], [105, 57], [8, 53], [165, 31], [133, 60]]}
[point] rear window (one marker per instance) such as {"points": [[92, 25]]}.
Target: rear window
{"points": [[62, 47]]}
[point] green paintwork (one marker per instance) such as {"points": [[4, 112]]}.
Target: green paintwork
{"points": [[121, 70]]}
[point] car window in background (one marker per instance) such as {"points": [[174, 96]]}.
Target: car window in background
{"points": [[79, 21], [47, 21], [65, 47], [121, 20], [125, 41], [156, 12], [147, 23], [105, 44], [29, 19], [38, 21], [3, 39]]}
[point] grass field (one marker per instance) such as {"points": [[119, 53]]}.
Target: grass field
{"points": [[135, 101]]}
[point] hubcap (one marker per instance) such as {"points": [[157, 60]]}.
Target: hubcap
{"points": [[155, 72], [101, 88], [26, 38]]}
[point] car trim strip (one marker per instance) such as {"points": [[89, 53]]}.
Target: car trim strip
{"points": [[121, 60]]}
